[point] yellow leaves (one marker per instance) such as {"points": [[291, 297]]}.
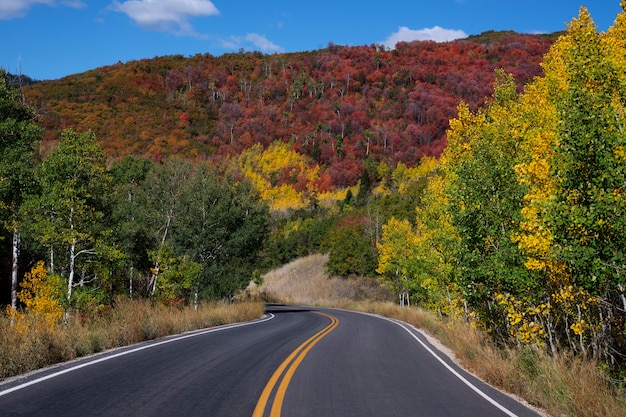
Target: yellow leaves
{"points": [[538, 111], [534, 264], [565, 295], [568, 304], [465, 130], [41, 294], [570, 296], [397, 247], [578, 328], [620, 153], [283, 197], [404, 176], [283, 177], [524, 320]]}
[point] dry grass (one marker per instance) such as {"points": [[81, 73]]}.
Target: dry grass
{"points": [[304, 281], [560, 386], [129, 322]]}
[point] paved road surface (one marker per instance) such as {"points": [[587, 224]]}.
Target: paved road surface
{"points": [[296, 362]]}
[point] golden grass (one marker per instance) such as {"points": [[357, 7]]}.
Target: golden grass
{"points": [[131, 321], [560, 386], [304, 281]]}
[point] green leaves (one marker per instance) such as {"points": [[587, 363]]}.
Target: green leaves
{"points": [[588, 216], [68, 216], [485, 197], [192, 223], [350, 251], [19, 136]]}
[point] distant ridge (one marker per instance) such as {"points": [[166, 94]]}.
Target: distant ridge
{"points": [[20, 80]]}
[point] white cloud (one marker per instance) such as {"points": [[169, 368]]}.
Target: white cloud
{"points": [[11, 9], [166, 14], [253, 41], [261, 42], [437, 34], [75, 4]]}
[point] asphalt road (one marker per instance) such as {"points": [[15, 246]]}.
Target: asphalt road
{"points": [[295, 362]]}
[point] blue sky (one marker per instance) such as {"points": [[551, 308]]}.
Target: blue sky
{"points": [[49, 39]]}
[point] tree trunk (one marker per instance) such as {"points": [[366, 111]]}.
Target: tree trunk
{"points": [[130, 283], [14, 266], [157, 266], [52, 259], [70, 279]]}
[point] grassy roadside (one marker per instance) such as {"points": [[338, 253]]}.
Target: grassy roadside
{"points": [[559, 386], [131, 321]]}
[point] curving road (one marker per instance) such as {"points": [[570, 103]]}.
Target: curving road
{"points": [[295, 362]]}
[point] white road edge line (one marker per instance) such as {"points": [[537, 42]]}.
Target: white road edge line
{"points": [[128, 352], [452, 370]]}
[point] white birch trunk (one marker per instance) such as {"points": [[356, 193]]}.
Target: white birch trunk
{"points": [[130, 283], [14, 265], [157, 267], [52, 259], [70, 279]]}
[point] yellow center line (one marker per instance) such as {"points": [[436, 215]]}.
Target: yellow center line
{"points": [[299, 355]]}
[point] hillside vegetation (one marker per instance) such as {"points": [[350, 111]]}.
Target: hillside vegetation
{"points": [[339, 106]]}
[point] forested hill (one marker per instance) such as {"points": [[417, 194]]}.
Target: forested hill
{"points": [[339, 105]]}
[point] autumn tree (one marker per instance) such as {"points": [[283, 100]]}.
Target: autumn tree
{"points": [[19, 136], [589, 215], [485, 198], [43, 296], [399, 260]]}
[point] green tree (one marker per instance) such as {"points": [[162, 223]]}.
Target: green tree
{"points": [[222, 226], [162, 195], [178, 275], [129, 215], [438, 243], [589, 214], [69, 215], [19, 136], [350, 248]]}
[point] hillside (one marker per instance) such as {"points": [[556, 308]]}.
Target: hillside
{"points": [[339, 105], [305, 281]]}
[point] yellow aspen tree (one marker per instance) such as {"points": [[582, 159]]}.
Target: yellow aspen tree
{"points": [[574, 206], [41, 295], [284, 178], [484, 201], [399, 262], [535, 237], [437, 242]]}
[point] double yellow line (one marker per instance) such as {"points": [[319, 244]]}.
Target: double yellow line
{"points": [[290, 365]]}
